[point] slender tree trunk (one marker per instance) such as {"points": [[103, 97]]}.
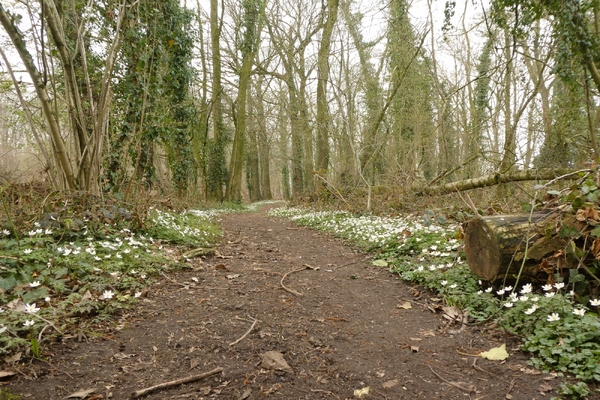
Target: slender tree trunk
{"points": [[216, 162], [263, 145], [40, 88], [253, 23], [323, 74]]}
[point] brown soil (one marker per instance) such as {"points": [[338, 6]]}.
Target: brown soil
{"points": [[339, 335]]}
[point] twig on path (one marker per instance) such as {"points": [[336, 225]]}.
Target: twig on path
{"points": [[247, 333], [53, 367], [175, 282], [189, 379], [305, 266], [456, 385], [478, 368]]}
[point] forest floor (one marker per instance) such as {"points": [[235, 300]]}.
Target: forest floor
{"points": [[336, 334]]}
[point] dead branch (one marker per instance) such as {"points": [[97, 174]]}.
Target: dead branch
{"points": [[305, 266], [247, 333], [189, 379]]}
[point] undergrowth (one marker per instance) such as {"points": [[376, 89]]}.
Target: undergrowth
{"points": [[73, 262]]}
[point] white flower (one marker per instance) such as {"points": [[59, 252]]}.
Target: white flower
{"points": [[35, 284], [137, 294], [108, 294], [489, 290], [513, 297], [572, 293], [500, 292], [1, 310], [143, 276], [114, 274], [559, 285], [133, 272], [508, 305], [6, 232], [526, 288], [508, 288], [553, 317], [27, 251], [3, 329], [31, 308], [432, 267], [119, 255], [547, 287], [550, 294], [595, 302], [453, 286], [433, 247], [48, 231], [579, 312], [107, 256], [480, 292], [421, 268], [531, 310], [535, 298], [47, 299], [523, 298], [97, 258], [29, 323], [443, 283]]}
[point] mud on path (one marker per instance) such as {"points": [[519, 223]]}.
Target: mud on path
{"points": [[339, 335]]}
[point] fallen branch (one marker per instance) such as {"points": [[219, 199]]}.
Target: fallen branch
{"points": [[305, 266], [245, 334], [456, 385], [175, 282], [189, 379]]}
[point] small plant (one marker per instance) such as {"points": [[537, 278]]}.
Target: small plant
{"points": [[576, 391]]}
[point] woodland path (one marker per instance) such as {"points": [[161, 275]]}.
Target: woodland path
{"points": [[340, 335]]}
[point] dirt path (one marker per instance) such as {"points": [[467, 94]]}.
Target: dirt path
{"points": [[340, 335]]}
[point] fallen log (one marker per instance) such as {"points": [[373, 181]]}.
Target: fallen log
{"points": [[542, 174], [495, 246]]}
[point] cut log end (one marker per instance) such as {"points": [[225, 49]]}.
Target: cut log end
{"points": [[497, 246], [481, 248]]}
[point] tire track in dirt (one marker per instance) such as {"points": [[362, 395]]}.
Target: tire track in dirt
{"points": [[340, 335]]}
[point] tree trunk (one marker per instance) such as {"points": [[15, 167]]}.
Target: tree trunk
{"points": [[263, 144], [323, 73], [58, 142], [216, 162], [496, 246]]}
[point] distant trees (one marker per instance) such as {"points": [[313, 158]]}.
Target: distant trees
{"points": [[259, 99]]}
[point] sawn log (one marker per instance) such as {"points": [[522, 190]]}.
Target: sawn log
{"points": [[495, 245]]}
